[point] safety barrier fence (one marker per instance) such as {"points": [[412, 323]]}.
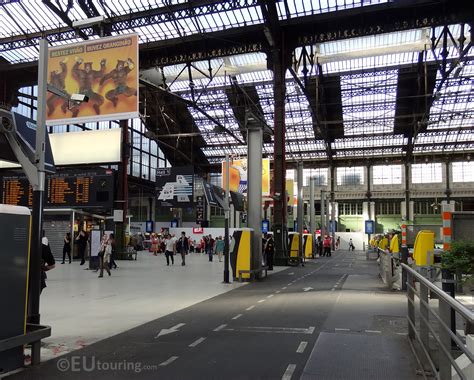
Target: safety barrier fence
{"points": [[389, 268], [431, 326]]}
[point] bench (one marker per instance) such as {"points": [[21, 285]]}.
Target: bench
{"points": [[253, 272]]}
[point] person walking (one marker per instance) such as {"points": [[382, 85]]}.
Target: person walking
{"points": [[351, 245], [338, 242], [82, 239], [327, 246], [269, 252], [182, 246], [112, 264], [67, 247], [154, 244], [210, 246], [47, 261], [220, 247], [169, 249], [105, 254]]}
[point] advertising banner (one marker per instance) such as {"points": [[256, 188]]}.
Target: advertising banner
{"points": [[238, 176], [104, 70], [175, 186]]}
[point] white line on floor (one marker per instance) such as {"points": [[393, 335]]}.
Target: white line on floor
{"points": [[289, 372], [250, 307], [195, 343], [278, 291], [404, 334], [283, 288], [373, 331], [336, 329], [270, 296], [219, 328], [311, 329], [301, 347], [169, 361], [237, 316], [260, 301]]}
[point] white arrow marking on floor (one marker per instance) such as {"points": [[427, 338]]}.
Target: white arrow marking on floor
{"points": [[237, 316], [307, 289], [170, 330]]}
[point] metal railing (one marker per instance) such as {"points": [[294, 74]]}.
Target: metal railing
{"points": [[387, 267], [448, 343]]}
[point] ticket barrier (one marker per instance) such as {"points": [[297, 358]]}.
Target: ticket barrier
{"points": [[308, 246], [241, 253], [294, 247], [15, 332]]}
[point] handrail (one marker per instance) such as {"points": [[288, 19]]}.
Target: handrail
{"points": [[453, 303]]}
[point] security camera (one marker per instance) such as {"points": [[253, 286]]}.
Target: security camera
{"points": [[6, 125], [79, 98]]}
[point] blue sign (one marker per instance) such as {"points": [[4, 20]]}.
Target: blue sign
{"points": [[265, 226], [332, 226], [369, 227], [174, 223], [149, 226]]}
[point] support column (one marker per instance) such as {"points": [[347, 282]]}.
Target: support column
{"points": [[332, 199], [406, 215], [254, 193], [448, 182], [122, 201], [312, 221], [279, 164], [300, 209], [323, 214], [38, 196]]}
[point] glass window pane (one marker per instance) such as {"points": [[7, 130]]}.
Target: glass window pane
{"points": [[426, 173], [463, 171], [387, 175], [350, 176]]}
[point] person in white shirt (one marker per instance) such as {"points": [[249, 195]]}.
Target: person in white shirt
{"points": [[169, 249]]}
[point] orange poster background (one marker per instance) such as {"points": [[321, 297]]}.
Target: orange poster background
{"points": [[234, 180], [125, 105]]}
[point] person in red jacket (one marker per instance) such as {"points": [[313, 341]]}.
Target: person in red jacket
{"points": [[327, 246]]}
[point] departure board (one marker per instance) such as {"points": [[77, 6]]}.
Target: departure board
{"points": [[69, 189], [17, 191]]}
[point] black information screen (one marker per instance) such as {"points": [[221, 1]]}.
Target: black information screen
{"points": [[69, 189]]}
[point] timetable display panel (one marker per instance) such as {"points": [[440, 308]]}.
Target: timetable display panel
{"points": [[71, 189]]}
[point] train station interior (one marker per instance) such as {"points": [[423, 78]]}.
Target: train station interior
{"points": [[238, 189]]}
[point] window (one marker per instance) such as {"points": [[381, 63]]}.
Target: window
{"points": [[387, 175], [320, 176], [427, 207], [388, 208], [350, 208], [463, 171], [350, 176], [426, 173]]}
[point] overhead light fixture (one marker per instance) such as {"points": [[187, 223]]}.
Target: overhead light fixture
{"points": [[88, 21]]}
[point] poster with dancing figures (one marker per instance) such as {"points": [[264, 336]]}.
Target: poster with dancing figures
{"points": [[174, 186], [93, 81]]}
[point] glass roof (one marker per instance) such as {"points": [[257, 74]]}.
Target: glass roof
{"points": [[368, 68], [368, 102], [296, 8]]}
